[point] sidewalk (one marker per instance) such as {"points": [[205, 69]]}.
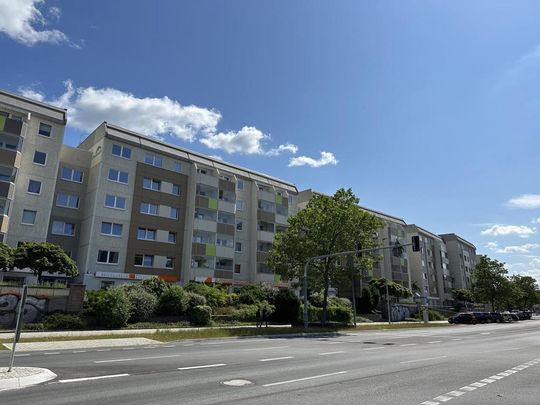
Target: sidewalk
{"points": [[21, 377]]}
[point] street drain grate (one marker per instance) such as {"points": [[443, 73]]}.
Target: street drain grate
{"points": [[237, 383]]}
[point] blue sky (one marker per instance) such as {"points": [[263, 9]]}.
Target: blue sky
{"points": [[428, 110]]}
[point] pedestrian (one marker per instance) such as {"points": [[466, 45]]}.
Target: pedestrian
{"points": [[264, 317], [258, 315]]}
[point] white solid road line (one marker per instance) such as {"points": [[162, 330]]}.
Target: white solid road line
{"points": [[205, 366], [408, 344], [435, 341], [21, 355], [78, 351], [303, 379], [278, 358], [50, 353], [329, 353], [101, 377], [426, 359], [137, 358], [103, 350]]}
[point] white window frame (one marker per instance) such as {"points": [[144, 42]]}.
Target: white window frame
{"points": [[70, 197], [28, 223], [240, 185], [152, 183], [109, 257], [34, 158], [146, 231], [116, 197], [73, 171], [169, 237], [28, 188], [64, 224], [175, 213], [177, 166], [111, 233], [50, 131], [119, 172], [149, 205], [240, 205], [177, 187], [122, 149], [152, 159]]}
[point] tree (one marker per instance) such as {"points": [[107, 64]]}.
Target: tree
{"points": [[463, 294], [328, 224], [490, 283], [43, 257], [526, 287], [6, 257], [394, 289]]}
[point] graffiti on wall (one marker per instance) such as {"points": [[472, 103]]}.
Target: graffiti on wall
{"points": [[33, 309], [400, 312]]}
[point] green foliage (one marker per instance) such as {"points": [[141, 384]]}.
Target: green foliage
{"points": [[143, 303], [340, 314], [174, 301], [110, 307], [490, 283], [245, 313], [287, 306], [155, 286], [368, 301], [6, 257], [433, 315], [61, 321], [252, 294], [463, 294], [394, 289], [200, 315], [328, 224], [215, 296], [525, 289], [195, 300], [44, 257]]}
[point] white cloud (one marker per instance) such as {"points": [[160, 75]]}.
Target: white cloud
{"points": [[535, 221], [19, 18], [30, 93], [532, 268], [528, 201], [88, 107], [522, 231], [521, 249], [288, 147], [217, 157], [54, 12], [327, 158]]}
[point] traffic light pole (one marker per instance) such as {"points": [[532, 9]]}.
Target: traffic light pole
{"points": [[349, 252]]}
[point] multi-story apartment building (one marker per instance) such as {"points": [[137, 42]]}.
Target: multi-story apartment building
{"points": [[462, 259], [429, 267], [126, 206]]}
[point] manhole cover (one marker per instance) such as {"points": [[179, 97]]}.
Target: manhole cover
{"points": [[237, 383]]}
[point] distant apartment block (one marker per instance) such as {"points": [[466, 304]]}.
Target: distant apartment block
{"points": [[462, 256]]}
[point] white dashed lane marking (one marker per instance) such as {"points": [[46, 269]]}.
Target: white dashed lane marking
{"points": [[205, 366], [101, 377], [278, 358], [329, 353], [479, 384], [408, 344]]}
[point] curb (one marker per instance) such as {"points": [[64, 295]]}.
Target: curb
{"points": [[25, 381]]}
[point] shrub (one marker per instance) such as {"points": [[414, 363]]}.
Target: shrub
{"points": [[110, 308], [195, 300], [339, 302], [143, 303], [339, 314], [245, 313], [34, 326], [61, 321], [200, 315], [215, 296], [252, 294], [155, 286], [173, 301], [433, 315], [287, 306]]}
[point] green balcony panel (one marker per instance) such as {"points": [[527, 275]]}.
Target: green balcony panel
{"points": [[279, 199], [2, 122], [210, 250], [212, 203]]}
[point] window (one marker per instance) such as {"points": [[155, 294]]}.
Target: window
{"points": [[290, 199], [114, 201], [63, 228], [67, 201], [146, 234], [151, 184], [34, 187], [71, 174], [44, 129], [107, 256], [238, 247], [174, 213], [239, 225], [281, 210], [177, 166], [40, 158], [28, 217], [237, 269], [266, 206], [118, 176], [172, 237], [240, 205], [153, 160], [202, 171], [106, 284], [121, 151], [144, 260], [111, 229], [149, 209], [175, 189], [169, 263], [240, 185]]}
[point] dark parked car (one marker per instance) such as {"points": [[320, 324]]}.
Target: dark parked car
{"points": [[510, 316], [463, 317], [496, 317], [522, 315], [482, 317]]}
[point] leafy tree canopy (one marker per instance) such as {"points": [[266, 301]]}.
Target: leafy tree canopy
{"points": [[490, 283], [463, 294], [6, 257], [43, 257], [394, 289]]}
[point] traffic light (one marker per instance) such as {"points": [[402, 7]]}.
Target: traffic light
{"points": [[415, 243], [359, 247]]}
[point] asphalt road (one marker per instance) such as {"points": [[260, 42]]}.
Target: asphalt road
{"points": [[465, 364]]}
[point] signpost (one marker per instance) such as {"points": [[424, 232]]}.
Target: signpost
{"points": [[19, 324]]}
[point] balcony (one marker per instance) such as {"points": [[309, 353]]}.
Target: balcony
{"points": [[203, 249], [7, 190], [207, 180], [205, 225], [10, 126], [10, 158], [4, 223], [265, 236]]}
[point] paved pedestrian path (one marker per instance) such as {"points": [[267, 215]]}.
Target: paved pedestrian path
{"points": [[21, 377], [81, 344]]}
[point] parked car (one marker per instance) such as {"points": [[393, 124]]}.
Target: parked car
{"points": [[463, 317], [521, 315], [482, 317], [510, 316], [496, 317]]}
